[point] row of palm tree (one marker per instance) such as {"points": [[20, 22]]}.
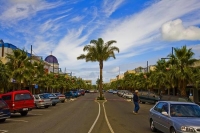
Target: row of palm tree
{"points": [[21, 71], [177, 72]]}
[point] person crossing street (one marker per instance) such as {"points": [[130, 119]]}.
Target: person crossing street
{"points": [[136, 102]]}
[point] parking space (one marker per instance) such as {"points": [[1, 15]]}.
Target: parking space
{"points": [[16, 120]]}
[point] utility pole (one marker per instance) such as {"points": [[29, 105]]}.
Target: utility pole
{"points": [[119, 70], [172, 65], [2, 43], [147, 67], [31, 53]]}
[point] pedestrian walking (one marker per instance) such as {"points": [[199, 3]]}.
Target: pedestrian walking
{"points": [[136, 102]]}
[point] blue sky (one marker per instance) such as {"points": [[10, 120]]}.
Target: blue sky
{"points": [[145, 30]]}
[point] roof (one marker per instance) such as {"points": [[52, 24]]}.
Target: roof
{"points": [[51, 59], [175, 102]]}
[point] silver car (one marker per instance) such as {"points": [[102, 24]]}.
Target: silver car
{"points": [[175, 117], [41, 101]]}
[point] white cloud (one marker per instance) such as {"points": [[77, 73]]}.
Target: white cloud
{"points": [[174, 30], [144, 25], [195, 49], [77, 19], [68, 48], [111, 6], [20, 9]]}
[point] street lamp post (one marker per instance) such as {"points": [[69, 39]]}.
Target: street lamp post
{"points": [[172, 65], [2, 43]]}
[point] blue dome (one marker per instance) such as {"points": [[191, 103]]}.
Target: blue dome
{"points": [[51, 59]]}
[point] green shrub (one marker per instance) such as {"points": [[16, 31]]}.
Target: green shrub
{"points": [[100, 98]]}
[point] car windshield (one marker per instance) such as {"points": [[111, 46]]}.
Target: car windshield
{"points": [[184, 110], [43, 97]]}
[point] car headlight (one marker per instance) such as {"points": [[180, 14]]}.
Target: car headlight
{"points": [[187, 129]]}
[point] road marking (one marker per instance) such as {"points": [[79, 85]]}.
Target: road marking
{"points": [[41, 110], [107, 119], [96, 119], [34, 114], [17, 120], [3, 131]]}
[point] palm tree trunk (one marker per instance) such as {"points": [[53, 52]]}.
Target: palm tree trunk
{"points": [[101, 72], [183, 88]]}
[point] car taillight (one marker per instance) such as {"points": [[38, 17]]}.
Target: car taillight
{"points": [[41, 100], [13, 104]]}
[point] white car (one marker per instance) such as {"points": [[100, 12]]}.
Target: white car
{"points": [[128, 95], [114, 92]]}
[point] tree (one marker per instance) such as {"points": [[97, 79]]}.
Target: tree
{"points": [[18, 64], [182, 61], [4, 76], [99, 52]]}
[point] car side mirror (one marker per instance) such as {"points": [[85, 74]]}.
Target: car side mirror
{"points": [[165, 113]]}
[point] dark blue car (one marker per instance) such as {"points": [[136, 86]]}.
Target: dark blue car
{"points": [[69, 94], [4, 111]]}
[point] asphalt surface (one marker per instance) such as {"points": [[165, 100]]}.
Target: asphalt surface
{"points": [[82, 115]]}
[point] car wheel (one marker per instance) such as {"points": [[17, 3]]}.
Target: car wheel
{"points": [[153, 129], [46, 106], [172, 130], [54, 104], [143, 102], [2, 120], [24, 113], [63, 101]]}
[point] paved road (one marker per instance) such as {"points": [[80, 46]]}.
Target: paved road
{"points": [[83, 115], [121, 117]]}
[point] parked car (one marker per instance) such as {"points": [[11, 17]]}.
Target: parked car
{"points": [[82, 92], [87, 91], [174, 98], [4, 110], [128, 95], [53, 98], [149, 97], [61, 97], [121, 92], [110, 91], [76, 93], [69, 94], [20, 101], [41, 101], [175, 117], [114, 92]]}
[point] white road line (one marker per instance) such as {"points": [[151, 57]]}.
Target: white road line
{"points": [[34, 114], [95, 120], [3, 131], [40, 110], [17, 120], [107, 119]]}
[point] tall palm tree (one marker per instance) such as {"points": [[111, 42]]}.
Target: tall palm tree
{"points": [[183, 60], [18, 65], [4, 76], [99, 52]]}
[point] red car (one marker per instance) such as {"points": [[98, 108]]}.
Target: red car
{"points": [[20, 101]]}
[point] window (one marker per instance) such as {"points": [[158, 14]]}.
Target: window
{"points": [[25, 96], [144, 93], [184, 110], [7, 97], [36, 96], [2, 104], [43, 97], [162, 106]]}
